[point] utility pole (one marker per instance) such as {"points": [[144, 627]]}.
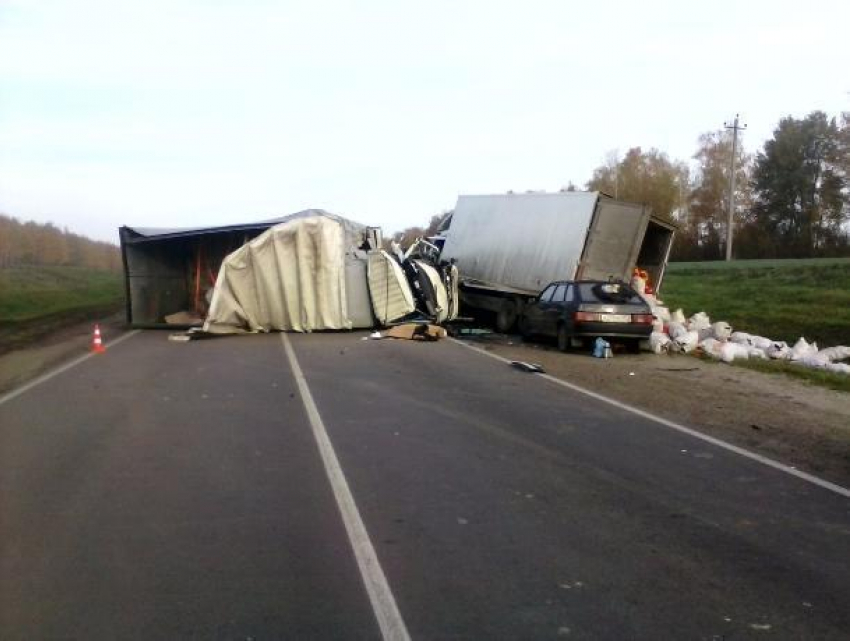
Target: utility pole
{"points": [[735, 129]]}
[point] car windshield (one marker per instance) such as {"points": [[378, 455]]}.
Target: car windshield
{"points": [[609, 293]]}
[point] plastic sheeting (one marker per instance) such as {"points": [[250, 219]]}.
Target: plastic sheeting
{"points": [[291, 277]]}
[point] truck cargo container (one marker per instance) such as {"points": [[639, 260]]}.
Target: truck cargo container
{"points": [[507, 247]]}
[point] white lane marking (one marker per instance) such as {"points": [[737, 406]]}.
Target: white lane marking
{"points": [[832, 487], [63, 368], [382, 599]]}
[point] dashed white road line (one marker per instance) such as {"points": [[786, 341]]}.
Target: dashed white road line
{"points": [[381, 597], [832, 487], [63, 368]]}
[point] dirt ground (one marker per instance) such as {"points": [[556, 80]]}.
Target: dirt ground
{"points": [[786, 419], [789, 420]]}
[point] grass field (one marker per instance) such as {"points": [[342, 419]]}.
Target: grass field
{"points": [[30, 292], [37, 300], [780, 299]]}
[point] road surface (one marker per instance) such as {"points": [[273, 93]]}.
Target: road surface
{"points": [[176, 491]]}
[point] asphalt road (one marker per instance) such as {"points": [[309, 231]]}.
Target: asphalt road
{"points": [[175, 491]]}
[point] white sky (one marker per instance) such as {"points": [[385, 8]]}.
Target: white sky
{"points": [[186, 113]]}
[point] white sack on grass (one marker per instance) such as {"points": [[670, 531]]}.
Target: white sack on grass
{"points": [[742, 338], [721, 331], [733, 351], [802, 349], [814, 361], [676, 329], [838, 368], [659, 342], [687, 342], [678, 317], [758, 353], [698, 321], [837, 353], [711, 347], [779, 350]]}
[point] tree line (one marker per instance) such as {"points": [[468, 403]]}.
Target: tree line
{"points": [[792, 197], [31, 243]]}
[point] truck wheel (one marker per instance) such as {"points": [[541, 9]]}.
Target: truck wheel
{"points": [[565, 341], [524, 329], [506, 317]]}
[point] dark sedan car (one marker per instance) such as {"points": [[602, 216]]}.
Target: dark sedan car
{"points": [[571, 311]]}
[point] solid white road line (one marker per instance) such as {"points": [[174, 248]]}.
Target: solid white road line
{"points": [[383, 603], [63, 368], [832, 487]]}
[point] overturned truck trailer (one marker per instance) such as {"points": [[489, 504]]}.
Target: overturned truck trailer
{"points": [[309, 271], [510, 246]]}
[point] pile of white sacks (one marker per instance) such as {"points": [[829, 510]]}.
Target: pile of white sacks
{"points": [[674, 333], [719, 341]]}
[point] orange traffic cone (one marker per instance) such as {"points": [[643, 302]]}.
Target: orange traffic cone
{"points": [[96, 342]]}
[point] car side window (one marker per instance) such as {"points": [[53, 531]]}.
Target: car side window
{"points": [[559, 294], [546, 296], [571, 293]]}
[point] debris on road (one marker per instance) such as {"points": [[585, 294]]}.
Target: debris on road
{"points": [[528, 367], [416, 331]]}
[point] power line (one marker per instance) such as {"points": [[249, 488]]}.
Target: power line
{"points": [[735, 129]]}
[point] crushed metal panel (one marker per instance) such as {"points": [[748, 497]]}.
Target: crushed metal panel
{"points": [[441, 299], [390, 292]]}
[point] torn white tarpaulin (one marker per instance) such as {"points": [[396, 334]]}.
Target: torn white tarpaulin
{"points": [[291, 277]]}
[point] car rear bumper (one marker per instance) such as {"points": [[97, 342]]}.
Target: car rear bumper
{"points": [[612, 330]]}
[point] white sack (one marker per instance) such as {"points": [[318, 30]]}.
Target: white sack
{"points": [[733, 351], [687, 342], [658, 342], [678, 317], [721, 331], [802, 349], [676, 329], [837, 353], [779, 350], [698, 321]]}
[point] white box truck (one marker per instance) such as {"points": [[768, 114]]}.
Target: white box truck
{"points": [[508, 247]]}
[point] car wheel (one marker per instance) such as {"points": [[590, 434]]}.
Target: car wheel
{"points": [[564, 339]]}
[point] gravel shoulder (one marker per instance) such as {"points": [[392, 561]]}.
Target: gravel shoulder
{"points": [[789, 420]]}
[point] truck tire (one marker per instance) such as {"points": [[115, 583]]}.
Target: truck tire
{"points": [[524, 329], [506, 316]]}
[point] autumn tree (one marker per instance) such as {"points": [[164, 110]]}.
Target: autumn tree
{"points": [[703, 232], [800, 183], [649, 178]]}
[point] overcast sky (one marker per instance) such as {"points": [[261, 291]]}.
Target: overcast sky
{"points": [[187, 113]]}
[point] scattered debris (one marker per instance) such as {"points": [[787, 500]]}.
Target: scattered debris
{"points": [[528, 367], [416, 331], [602, 349]]}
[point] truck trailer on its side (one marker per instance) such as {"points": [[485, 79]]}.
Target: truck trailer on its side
{"points": [[508, 247]]}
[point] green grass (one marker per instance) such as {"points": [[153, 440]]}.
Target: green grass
{"points": [[780, 299], [29, 293]]}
